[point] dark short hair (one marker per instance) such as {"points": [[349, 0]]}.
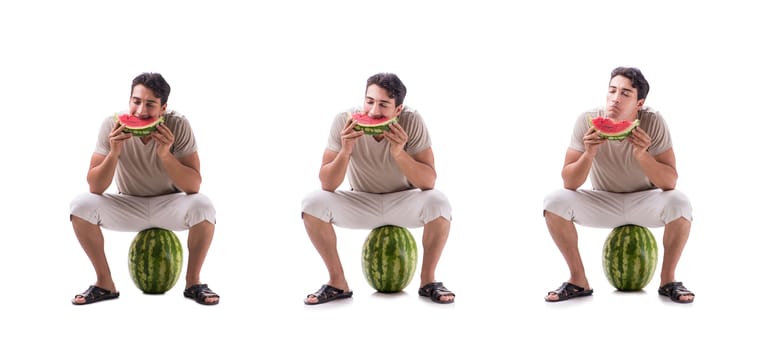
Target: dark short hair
{"points": [[155, 82], [637, 80], [391, 83]]}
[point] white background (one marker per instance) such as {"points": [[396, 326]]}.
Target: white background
{"points": [[499, 85]]}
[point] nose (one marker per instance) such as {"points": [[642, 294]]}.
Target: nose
{"points": [[373, 110], [139, 109]]}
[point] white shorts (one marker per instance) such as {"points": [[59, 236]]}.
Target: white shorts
{"points": [[363, 210], [601, 209], [120, 212]]}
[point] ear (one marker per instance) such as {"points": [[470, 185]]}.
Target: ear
{"points": [[640, 103], [164, 108], [399, 108]]}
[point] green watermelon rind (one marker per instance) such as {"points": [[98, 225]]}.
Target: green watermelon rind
{"points": [[617, 136], [155, 260], [373, 129], [389, 258], [629, 257], [141, 131]]}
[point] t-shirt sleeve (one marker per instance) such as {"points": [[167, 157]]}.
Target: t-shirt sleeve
{"points": [[418, 136], [661, 137], [580, 129], [335, 142], [185, 143], [103, 143]]}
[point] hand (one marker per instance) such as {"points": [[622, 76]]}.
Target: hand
{"points": [[117, 137], [398, 138], [348, 136], [164, 139], [640, 141], [592, 140]]}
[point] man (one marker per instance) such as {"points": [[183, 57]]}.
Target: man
{"points": [[158, 180], [392, 181], [632, 183]]}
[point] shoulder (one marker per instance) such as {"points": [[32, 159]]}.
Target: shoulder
{"points": [[592, 112], [651, 115], [648, 112], [345, 113], [409, 113], [175, 118], [174, 115]]}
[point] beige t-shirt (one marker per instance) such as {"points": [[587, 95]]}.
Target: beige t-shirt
{"points": [[614, 167], [371, 168], [139, 172]]}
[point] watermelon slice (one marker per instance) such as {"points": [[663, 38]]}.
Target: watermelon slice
{"points": [[371, 126], [613, 130], [139, 126]]}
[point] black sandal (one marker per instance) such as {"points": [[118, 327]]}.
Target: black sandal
{"points": [[676, 290], [328, 293], [200, 293], [435, 291], [568, 291], [94, 294]]}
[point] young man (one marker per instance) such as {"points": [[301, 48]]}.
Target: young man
{"points": [[633, 182], [392, 180], [158, 180]]}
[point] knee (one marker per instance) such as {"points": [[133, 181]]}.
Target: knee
{"points": [[677, 206], [557, 204], [437, 205], [313, 203], [85, 206], [201, 209]]}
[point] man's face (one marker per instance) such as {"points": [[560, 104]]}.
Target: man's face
{"points": [[621, 100], [144, 104], [377, 104]]}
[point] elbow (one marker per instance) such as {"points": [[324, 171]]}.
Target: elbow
{"points": [[426, 186]]}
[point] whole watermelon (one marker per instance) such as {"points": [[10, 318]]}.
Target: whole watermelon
{"points": [[630, 257], [155, 260], [389, 258]]}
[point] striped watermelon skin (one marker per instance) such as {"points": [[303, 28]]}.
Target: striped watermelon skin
{"points": [[630, 257], [155, 260], [389, 258]]}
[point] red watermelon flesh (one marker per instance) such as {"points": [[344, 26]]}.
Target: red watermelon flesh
{"points": [[371, 126], [139, 126], [613, 130]]}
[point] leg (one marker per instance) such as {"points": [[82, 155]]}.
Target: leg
{"points": [[675, 237], [93, 243], [324, 239], [200, 237], [564, 233], [435, 235]]}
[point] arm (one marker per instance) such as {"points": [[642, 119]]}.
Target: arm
{"points": [[335, 164], [184, 171], [418, 168], [660, 169], [101, 170], [333, 169], [577, 164], [103, 167]]}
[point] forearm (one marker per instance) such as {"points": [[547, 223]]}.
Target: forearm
{"points": [[100, 177], [661, 175], [419, 174], [575, 174], [185, 178], [333, 173]]}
